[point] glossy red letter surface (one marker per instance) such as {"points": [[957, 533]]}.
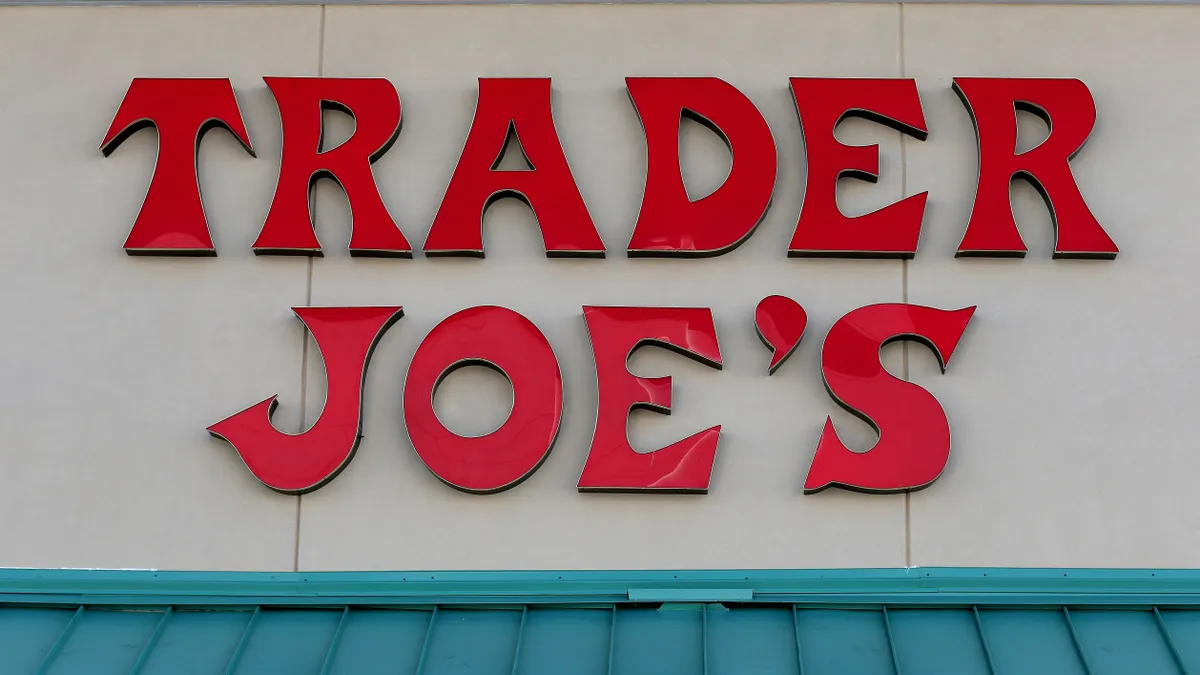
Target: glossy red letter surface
{"points": [[171, 221], [914, 435], [822, 103], [299, 463], [612, 464], [504, 340], [375, 107], [780, 322], [1068, 109], [521, 105], [670, 224]]}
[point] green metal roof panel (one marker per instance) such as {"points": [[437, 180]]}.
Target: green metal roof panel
{"points": [[622, 640], [80, 623], [1184, 629]]}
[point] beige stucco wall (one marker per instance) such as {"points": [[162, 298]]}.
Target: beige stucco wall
{"points": [[1071, 397]]}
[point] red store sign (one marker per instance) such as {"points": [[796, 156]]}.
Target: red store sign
{"points": [[914, 441]]}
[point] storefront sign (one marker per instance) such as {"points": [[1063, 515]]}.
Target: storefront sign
{"points": [[914, 441]]}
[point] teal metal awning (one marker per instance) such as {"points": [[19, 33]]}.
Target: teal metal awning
{"points": [[868, 622]]}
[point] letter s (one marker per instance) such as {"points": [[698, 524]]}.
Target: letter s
{"points": [[914, 434]]}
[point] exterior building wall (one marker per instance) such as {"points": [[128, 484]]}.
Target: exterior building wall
{"points": [[1069, 397]]}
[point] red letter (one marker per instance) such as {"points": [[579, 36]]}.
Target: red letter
{"points": [[822, 103], [172, 221], [375, 107], [914, 436], [612, 464], [504, 340], [296, 464], [780, 322], [521, 106], [672, 225], [993, 103]]}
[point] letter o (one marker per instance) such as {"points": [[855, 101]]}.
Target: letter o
{"points": [[506, 341]]}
